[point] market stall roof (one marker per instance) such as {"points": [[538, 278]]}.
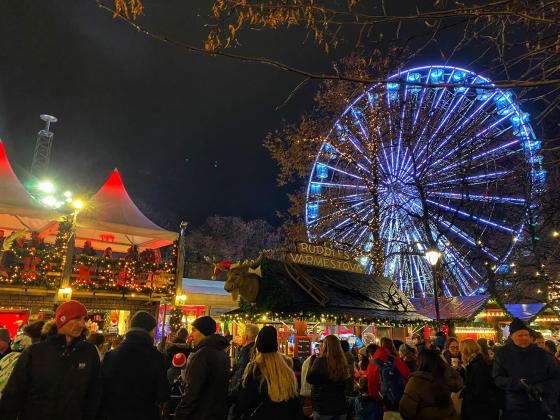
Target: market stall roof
{"points": [[206, 287], [457, 307], [18, 209], [525, 311], [111, 219], [284, 289]]}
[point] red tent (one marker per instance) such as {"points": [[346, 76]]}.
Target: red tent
{"points": [[111, 219], [18, 209]]}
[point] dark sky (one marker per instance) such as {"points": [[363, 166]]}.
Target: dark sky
{"points": [[126, 101]]}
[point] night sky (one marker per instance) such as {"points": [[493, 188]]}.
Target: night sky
{"points": [[185, 130]]}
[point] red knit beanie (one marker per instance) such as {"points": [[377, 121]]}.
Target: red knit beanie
{"points": [[179, 360], [69, 311]]}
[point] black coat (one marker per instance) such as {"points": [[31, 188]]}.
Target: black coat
{"points": [[327, 396], [511, 364], [254, 403], [53, 381], [207, 379], [134, 379], [479, 394], [243, 358]]}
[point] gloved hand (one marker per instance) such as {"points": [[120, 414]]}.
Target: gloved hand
{"points": [[532, 390]]}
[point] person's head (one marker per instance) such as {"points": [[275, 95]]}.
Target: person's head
{"points": [[33, 330], [201, 328], [387, 344], [182, 335], [345, 345], [251, 332], [337, 365], [70, 318], [539, 339], [397, 344], [145, 322], [519, 333], [4, 339], [416, 339], [97, 339], [280, 379], [87, 245], [108, 252], [429, 361], [491, 344], [407, 352], [371, 349], [550, 347], [469, 349], [452, 345]]}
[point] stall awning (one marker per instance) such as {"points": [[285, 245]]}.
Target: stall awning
{"points": [[203, 287], [111, 218], [525, 311], [458, 307]]}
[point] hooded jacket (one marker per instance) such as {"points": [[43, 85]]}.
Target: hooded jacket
{"points": [[53, 381], [207, 378], [134, 379], [419, 402], [374, 378], [538, 368]]}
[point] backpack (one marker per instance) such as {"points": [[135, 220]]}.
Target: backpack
{"points": [[176, 392], [392, 383]]}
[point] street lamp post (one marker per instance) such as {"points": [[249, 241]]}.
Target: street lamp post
{"points": [[433, 255]]}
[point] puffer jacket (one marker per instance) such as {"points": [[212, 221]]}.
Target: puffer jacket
{"points": [[479, 395], [53, 381], [207, 379], [328, 397], [419, 402], [538, 368]]}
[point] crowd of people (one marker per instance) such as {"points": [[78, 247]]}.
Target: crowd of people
{"points": [[62, 375]]}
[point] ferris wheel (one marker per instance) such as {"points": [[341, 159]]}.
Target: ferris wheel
{"points": [[456, 166]]}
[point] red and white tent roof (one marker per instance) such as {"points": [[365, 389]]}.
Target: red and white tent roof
{"points": [[18, 209], [111, 219]]}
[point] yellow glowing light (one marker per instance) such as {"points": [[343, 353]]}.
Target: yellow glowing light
{"points": [[78, 204]]}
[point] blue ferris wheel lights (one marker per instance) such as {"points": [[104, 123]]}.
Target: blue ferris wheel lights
{"points": [[322, 171], [393, 86], [315, 189], [532, 145], [312, 210], [364, 260], [458, 76], [414, 77], [436, 75]]}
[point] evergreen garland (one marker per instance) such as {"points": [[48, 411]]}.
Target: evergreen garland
{"points": [[175, 317]]}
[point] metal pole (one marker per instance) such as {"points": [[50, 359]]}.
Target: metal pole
{"points": [[436, 293]]}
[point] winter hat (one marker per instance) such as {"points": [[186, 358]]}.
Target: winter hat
{"points": [[205, 324], [143, 320], [68, 311], [517, 325], [179, 360], [267, 340], [4, 335]]}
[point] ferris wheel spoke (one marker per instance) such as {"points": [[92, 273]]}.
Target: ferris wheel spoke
{"points": [[478, 197], [472, 179], [473, 217], [350, 174], [347, 135], [348, 219], [346, 210]]}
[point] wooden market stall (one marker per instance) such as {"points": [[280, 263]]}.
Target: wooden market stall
{"points": [[540, 316]]}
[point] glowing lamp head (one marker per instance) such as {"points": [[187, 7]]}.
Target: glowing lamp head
{"points": [[67, 194], [49, 200], [433, 255], [46, 187], [78, 204]]}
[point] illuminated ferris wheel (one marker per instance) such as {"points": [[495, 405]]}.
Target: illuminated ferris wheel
{"points": [[456, 166]]}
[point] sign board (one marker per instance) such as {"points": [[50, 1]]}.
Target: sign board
{"points": [[324, 262], [323, 251], [302, 346]]}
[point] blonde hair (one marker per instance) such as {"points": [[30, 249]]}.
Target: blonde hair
{"points": [[280, 379], [337, 365], [469, 349]]}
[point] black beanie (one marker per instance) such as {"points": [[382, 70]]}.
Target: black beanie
{"points": [[267, 340], [205, 324], [517, 325], [143, 320]]}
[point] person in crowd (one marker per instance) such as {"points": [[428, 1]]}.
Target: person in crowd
{"points": [[440, 341], [408, 355], [485, 350], [386, 394], [539, 340], [550, 347], [37, 241], [5, 341], [2, 238], [56, 379], [207, 375], [132, 253], [349, 356], [134, 376], [34, 330], [305, 388], [397, 344], [328, 377], [479, 395], [388, 344], [451, 354], [418, 342], [7, 364], [178, 345], [528, 376], [98, 340], [244, 355], [108, 253], [269, 387], [365, 408], [427, 395], [175, 375], [88, 249]]}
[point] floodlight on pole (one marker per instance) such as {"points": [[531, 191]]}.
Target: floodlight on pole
{"points": [[78, 204], [46, 187], [433, 255]]}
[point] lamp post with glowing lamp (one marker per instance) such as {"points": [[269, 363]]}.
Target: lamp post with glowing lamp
{"points": [[77, 205], [433, 255]]}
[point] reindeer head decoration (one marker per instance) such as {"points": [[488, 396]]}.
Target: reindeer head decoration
{"points": [[244, 279]]}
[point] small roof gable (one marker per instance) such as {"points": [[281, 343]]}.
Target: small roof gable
{"points": [[458, 307], [524, 311]]}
